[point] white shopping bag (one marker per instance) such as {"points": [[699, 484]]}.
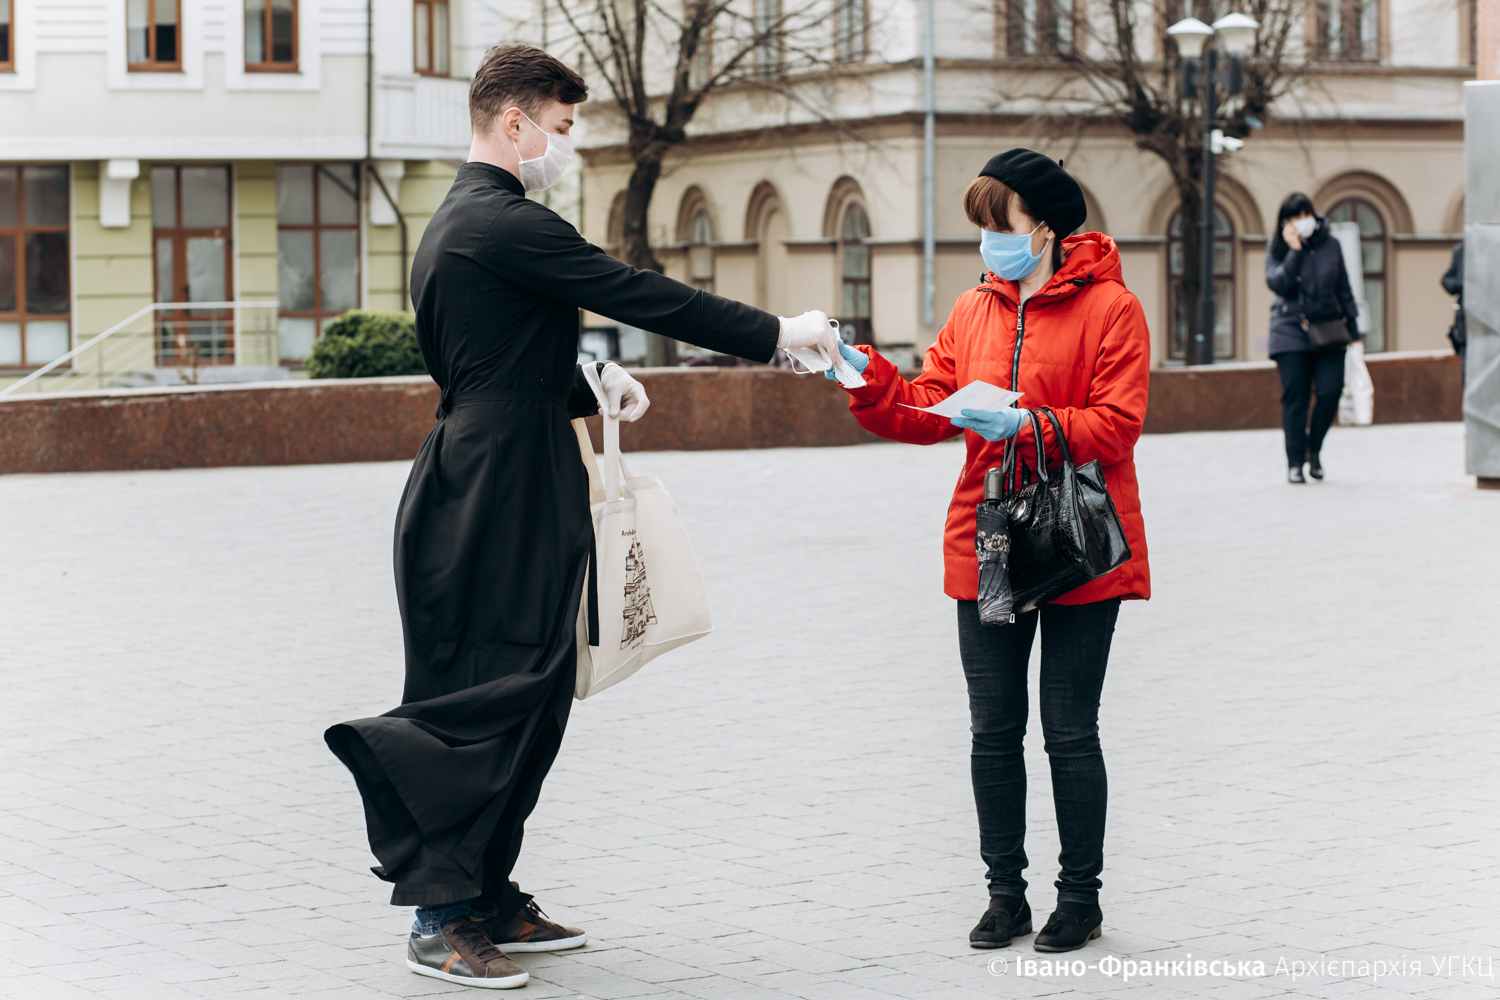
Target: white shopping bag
{"points": [[1357, 404], [651, 593]]}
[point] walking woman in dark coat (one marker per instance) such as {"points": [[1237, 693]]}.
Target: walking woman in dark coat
{"points": [[1305, 268]]}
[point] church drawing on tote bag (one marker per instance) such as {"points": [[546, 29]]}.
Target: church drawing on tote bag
{"points": [[638, 612]]}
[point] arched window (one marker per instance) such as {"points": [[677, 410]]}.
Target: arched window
{"points": [[854, 266], [1187, 312], [1372, 255], [701, 252]]}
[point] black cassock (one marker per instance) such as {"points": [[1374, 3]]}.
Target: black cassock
{"points": [[493, 535]]}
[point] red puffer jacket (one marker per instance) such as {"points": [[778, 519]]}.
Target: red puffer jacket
{"points": [[1081, 347]]}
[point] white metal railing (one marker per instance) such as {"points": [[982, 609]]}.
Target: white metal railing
{"points": [[234, 332]]}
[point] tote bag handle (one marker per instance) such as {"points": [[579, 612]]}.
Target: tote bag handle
{"points": [[614, 462]]}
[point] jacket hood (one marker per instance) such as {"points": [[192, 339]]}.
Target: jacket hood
{"points": [[1090, 258]]}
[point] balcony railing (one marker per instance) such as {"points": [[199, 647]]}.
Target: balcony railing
{"points": [[185, 338], [422, 117]]}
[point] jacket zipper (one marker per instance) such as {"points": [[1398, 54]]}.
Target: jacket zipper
{"points": [[1015, 376], [1015, 365]]}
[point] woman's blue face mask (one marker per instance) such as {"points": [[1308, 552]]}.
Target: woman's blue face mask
{"points": [[1009, 255]]}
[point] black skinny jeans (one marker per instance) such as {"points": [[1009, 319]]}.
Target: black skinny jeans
{"points": [[1302, 373], [1075, 651]]}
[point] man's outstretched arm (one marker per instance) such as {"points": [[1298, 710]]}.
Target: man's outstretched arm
{"points": [[535, 247]]}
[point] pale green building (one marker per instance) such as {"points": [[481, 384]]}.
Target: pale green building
{"points": [[219, 151]]}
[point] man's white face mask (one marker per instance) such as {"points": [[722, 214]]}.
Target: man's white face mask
{"points": [[540, 173]]}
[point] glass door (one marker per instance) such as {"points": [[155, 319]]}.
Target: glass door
{"points": [[194, 263]]}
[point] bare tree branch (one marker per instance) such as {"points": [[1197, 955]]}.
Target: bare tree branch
{"points": [[1104, 77], [662, 60]]}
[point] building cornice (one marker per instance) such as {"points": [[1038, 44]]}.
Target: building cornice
{"points": [[1040, 74], [182, 147], [908, 125], [1032, 65]]}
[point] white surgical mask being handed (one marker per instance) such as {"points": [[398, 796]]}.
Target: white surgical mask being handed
{"points": [[541, 172], [1305, 226]]}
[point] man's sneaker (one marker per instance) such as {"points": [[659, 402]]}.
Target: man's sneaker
{"points": [[530, 930], [463, 953], [1006, 918], [1071, 926]]}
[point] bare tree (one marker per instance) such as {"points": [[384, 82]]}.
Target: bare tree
{"points": [[1122, 86], [660, 66]]}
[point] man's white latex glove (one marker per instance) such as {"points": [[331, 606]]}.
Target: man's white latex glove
{"points": [[810, 330], [626, 397]]}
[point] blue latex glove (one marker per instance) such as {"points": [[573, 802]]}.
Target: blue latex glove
{"points": [[857, 360], [990, 425]]}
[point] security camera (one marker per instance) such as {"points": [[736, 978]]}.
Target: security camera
{"points": [[1221, 143]]}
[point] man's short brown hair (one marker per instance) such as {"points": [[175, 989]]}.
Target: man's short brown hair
{"points": [[520, 76]]}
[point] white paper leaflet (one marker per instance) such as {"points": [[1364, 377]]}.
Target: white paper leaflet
{"points": [[974, 396]]}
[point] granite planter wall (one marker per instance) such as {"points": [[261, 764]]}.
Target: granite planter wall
{"points": [[385, 419]]}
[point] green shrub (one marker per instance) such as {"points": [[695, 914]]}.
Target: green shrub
{"points": [[363, 344]]}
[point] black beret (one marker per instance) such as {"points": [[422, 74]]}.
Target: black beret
{"points": [[1053, 196]]}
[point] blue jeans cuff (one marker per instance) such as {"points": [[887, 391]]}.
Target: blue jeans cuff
{"points": [[432, 919]]}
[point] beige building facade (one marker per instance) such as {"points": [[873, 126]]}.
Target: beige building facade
{"points": [[798, 214]]}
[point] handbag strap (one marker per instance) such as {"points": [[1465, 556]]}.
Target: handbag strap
{"points": [[1041, 450], [1062, 441], [1010, 469]]}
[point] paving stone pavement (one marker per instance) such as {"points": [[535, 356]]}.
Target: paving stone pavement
{"points": [[1299, 727]]}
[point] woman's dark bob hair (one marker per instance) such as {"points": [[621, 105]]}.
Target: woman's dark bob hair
{"points": [[1293, 205]]}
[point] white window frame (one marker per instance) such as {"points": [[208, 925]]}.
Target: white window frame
{"points": [[23, 46]]}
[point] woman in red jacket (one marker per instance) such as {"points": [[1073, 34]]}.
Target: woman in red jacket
{"points": [[1052, 319]]}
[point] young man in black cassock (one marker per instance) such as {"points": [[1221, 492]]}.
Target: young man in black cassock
{"points": [[493, 534]]}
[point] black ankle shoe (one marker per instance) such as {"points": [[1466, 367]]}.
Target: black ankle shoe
{"points": [[1071, 926], [999, 924], [1314, 465], [1294, 475]]}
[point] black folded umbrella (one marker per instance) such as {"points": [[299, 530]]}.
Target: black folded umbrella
{"points": [[992, 546]]}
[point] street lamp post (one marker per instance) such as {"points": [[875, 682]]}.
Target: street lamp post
{"points": [[1202, 77]]}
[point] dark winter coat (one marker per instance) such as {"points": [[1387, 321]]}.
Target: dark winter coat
{"points": [[493, 535], [1453, 284], [1310, 283]]}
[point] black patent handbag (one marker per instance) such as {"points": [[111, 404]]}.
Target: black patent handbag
{"points": [[1064, 530]]}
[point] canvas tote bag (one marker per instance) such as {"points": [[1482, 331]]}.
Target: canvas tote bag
{"points": [[651, 593]]}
